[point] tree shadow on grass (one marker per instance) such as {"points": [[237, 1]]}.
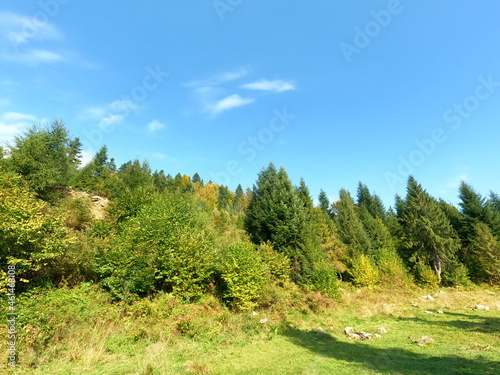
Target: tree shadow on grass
{"points": [[390, 360], [465, 322]]}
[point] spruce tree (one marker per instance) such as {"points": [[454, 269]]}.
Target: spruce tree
{"points": [[483, 255], [476, 209], [350, 228], [324, 202], [47, 157], [276, 213], [372, 202], [429, 236]]}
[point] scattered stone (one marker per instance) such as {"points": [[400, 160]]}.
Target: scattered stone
{"points": [[377, 336], [262, 321], [254, 313], [423, 341], [322, 331], [442, 292], [429, 297], [440, 312], [348, 330], [481, 307], [382, 330], [360, 336], [428, 312], [414, 305]]}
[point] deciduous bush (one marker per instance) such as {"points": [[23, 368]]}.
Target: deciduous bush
{"points": [[243, 274], [364, 271], [167, 246]]}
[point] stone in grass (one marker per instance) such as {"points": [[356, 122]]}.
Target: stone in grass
{"points": [[481, 307], [321, 331], [349, 331], [429, 297], [428, 312], [423, 341], [440, 312], [382, 330]]}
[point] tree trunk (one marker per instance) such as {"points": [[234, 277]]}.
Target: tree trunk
{"points": [[438, 267]]}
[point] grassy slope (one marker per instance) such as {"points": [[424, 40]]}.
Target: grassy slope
{"points": [[163, 337]]}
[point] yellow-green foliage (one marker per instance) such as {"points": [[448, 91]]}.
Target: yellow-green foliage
{"points": [[31, 236], [167, 247], [392, 269], [77, 212], [243, 274], [426, 276], [277, 263], [364, 271]]}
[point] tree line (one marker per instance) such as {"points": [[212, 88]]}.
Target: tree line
{"points": [[178, 234]]}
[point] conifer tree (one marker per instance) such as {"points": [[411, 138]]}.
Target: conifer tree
{"points": [[324, 202], [429, 236], [476, 209], [372, 202], [276, 213], [45, 156], [350, 228], [239, 200], [483, 255]]}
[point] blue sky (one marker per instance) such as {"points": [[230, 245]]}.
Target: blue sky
{"points": [[335, 91]]}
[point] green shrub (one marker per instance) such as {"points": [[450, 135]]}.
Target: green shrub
{"points": [[364, 271], [324, 279], [391, 268], [277, 263], [32, 237], [167, 247], [243, 274], [426, 276], [77, 212], [456, 274]]}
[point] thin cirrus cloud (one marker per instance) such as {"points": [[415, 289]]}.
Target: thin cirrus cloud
{"points": [[218, 79], [13, 123], [229, 102], [155, 125], [112, 113], [28, 41], [273, 86], [213, 93]]}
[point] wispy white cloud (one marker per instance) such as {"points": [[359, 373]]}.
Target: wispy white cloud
{"points": [[218, 78], [112, 113], [229, 102], [32, 41], [266, 85], [20, 29], [213, 93], [34, 57], [155, 125], [14, 123]]}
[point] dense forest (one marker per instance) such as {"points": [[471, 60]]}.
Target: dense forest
{"points": [[179, 234]]}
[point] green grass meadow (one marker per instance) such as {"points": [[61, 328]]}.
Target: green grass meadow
{"points": [[79, 332]]}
